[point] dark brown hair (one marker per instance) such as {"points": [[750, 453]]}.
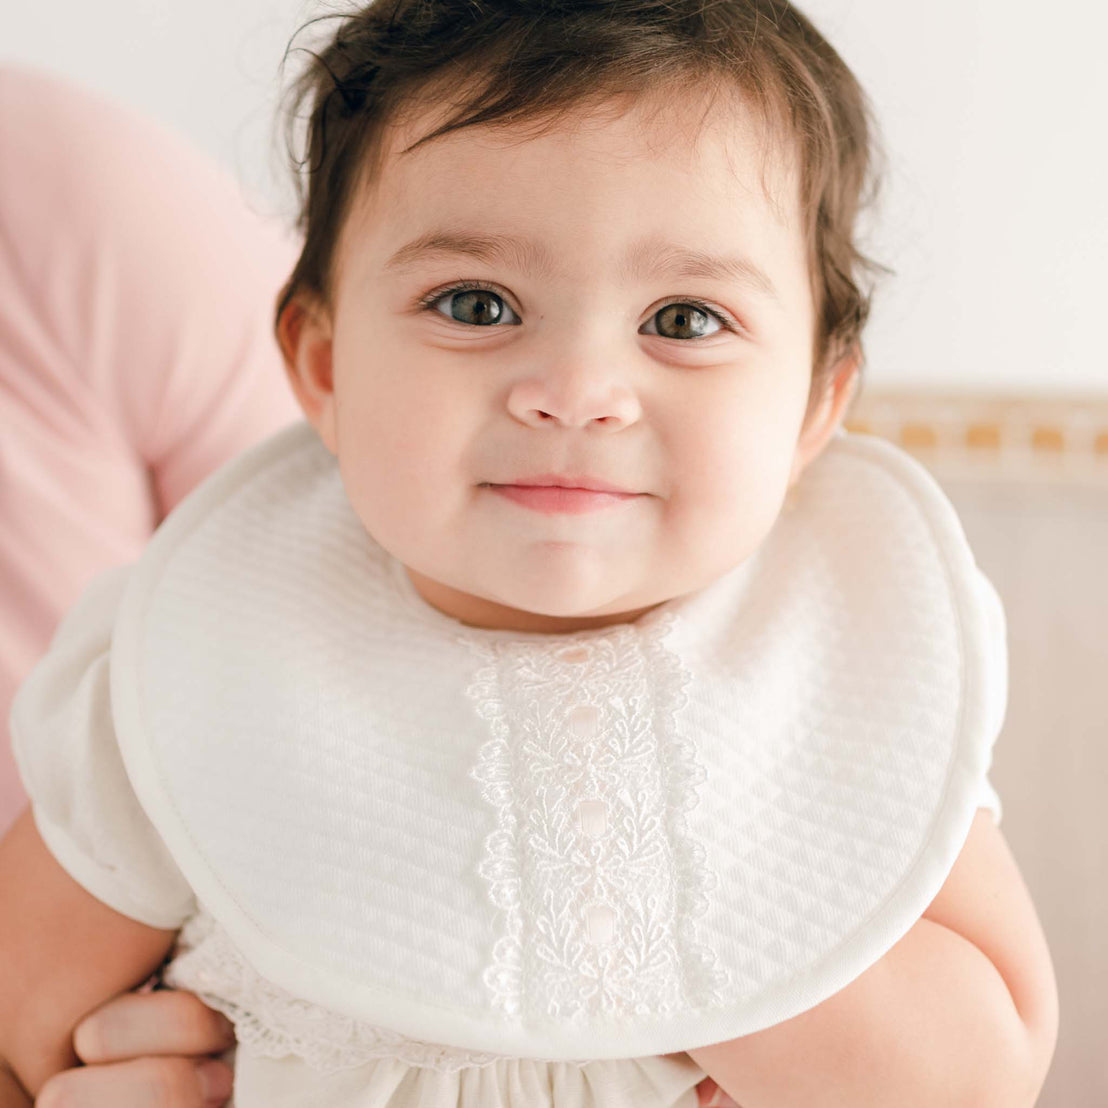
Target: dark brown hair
{"points": [[511, 62]]}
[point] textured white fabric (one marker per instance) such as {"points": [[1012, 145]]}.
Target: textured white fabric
{"points": [[510, 1083], [66, 752], [530, 850]]}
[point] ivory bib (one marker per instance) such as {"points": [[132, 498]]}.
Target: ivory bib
{"points": [[614, 843]]}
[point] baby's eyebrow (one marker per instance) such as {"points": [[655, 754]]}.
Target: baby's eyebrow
{"points": [[651, 256]]}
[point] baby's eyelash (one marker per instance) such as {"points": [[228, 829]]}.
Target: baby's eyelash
{"points": [[467, 286], [717, 313], [461, 286]]}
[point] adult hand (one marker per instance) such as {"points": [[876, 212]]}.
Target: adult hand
{"points": [[146, 1050]]}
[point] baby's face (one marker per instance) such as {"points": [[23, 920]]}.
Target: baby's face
{"points": [[605, 341]]}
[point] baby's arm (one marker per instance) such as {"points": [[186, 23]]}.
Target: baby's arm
{"points": [[962, 1011], [62, 954]]}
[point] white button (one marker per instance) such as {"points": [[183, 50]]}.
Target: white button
{"points": [[601, 924], [575, 654], [593, 817], [585, 720]]}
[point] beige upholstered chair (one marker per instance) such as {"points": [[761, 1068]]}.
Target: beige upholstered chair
{"points": [[1029, 478]]}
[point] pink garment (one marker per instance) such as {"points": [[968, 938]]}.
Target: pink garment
{"points": [[136, 348]]}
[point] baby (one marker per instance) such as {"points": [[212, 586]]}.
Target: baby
{"points": [[568, 709]]}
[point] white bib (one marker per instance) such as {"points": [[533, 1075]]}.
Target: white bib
{"points": [[628, 841]]}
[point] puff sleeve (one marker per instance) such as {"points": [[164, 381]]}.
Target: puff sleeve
{"points": [[998, 644], [66, 753]]}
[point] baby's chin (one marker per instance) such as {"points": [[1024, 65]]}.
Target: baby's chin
{"points": [[530, 605]]}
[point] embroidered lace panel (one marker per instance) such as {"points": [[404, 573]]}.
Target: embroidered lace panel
{"points": [[592, 864]]}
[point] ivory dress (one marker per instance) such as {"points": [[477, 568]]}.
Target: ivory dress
{"points": [[421, 863]]}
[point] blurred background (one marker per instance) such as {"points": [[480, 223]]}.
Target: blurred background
{"points": [[986, 352], [993, 113]]}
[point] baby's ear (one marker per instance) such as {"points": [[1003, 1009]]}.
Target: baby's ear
{"points": [[827, 418], [304, 335]]}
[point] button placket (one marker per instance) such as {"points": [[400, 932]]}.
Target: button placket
{"points": [[592, 819]]}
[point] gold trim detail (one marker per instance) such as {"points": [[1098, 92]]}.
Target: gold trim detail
{"points": [[1028, 437]]}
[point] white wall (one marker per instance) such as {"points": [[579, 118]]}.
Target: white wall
{"points": [[207, 67], [993, 115]]}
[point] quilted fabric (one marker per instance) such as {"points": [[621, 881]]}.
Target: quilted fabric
{"points": [[415, 839]]}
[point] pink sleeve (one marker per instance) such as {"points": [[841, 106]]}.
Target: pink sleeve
{"points": [[136, 348]]}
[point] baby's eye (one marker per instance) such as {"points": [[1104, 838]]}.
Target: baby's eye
{"points": [[477, 305], [685, 320], [472, 304]]}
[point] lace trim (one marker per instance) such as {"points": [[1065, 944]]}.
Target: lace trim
{"points": [[272, 1023], [592, 863]]}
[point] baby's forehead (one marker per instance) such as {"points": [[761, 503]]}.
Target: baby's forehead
{"points": [[612, 196], [718, 134]]}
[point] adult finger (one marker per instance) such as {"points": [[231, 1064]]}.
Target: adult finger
{"points": [[140, 1083], [167, 1021], [710, 1095]]}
